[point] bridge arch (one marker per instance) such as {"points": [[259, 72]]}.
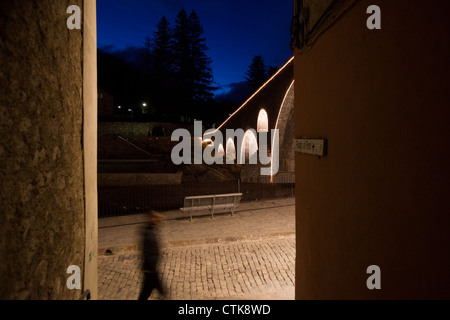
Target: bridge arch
{"points": [[230, 151], [263, 121], [249, 148]]}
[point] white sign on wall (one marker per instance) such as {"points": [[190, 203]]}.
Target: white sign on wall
{"points": [[315, 147]]}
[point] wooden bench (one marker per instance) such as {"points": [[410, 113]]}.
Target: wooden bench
{"points": [[211, 204]]}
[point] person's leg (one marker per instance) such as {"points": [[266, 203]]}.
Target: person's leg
{"points": [[159, 286], [147, 287]]}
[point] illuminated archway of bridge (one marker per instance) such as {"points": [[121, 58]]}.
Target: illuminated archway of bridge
{"points": [[263, 122], [270, 107], [249, 148]]}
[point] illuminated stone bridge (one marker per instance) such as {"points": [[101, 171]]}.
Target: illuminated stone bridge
{"points": [[270, 107]]}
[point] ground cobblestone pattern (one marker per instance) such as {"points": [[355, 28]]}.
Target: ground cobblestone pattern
{"points": [[250, 270], [250, 255]]}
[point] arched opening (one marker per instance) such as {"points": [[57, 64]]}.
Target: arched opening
{"points": [[220, 150], [249, 148], [263, 121], [230, 151]]}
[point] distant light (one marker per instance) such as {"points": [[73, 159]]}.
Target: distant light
{"points": [[119, 107], [129, 110], [144, 104]]}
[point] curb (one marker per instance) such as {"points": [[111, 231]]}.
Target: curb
{"points": [[111, 222], [112, 250]]}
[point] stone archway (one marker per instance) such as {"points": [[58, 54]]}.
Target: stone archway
{"points": [[230, 151], [249, 148], [263, 121]]}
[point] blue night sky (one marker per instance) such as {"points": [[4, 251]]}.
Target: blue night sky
{"points": [[235, 30]]}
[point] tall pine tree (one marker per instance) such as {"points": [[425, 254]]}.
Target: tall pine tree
{"points": [[257, 73], [162, 48], [193, 74], [162, 71], [202, 72], [181, 55]]}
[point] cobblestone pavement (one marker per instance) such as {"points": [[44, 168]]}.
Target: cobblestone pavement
{"points": [[248, 256], [239, 270]]}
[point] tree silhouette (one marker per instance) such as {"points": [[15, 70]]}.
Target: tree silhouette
{"points": [[202, 72], [162, 68], [193, 74], [121, 79], [171, 73], [271, 71], [147, 56], [162, 48], [257, 73]]}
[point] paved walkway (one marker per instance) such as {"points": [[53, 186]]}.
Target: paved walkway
{"points": [[250, 255]]}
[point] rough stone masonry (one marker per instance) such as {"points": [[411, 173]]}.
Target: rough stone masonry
{"points": [[41, 152]]}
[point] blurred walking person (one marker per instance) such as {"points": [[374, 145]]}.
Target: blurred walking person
{"points": [[151, 252]]}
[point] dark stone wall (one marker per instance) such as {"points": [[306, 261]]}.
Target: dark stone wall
{"points": [[141, 129], [287, 133], [269, 98], [41, 155]]}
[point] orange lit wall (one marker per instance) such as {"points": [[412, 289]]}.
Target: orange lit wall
{"points": [[382, 194]]}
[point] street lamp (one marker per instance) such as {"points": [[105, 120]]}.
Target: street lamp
{"points": [[144, 108]]}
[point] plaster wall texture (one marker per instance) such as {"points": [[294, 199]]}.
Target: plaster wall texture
{"points": [[380, 196]]}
